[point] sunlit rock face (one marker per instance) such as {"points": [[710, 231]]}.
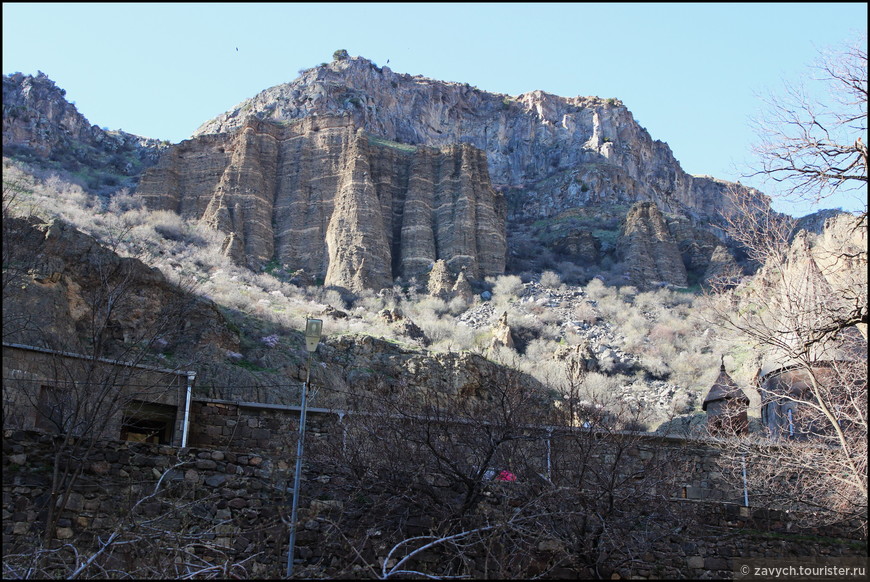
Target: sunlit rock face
{"points": [[322, 195], [559, 152], [649, 249], [361, 175]]}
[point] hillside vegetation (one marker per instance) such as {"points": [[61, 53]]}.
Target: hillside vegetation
{"points": [[655, 349]]}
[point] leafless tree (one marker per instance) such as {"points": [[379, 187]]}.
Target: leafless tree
{"points": [[762, 232], [497, 483], [805, 323], [818, 467], [814, 146], [805, 310]]}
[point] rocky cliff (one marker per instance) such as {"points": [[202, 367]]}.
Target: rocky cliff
{"points": [[358, 175], [321, 194], [39, 124], [649, 250], [548, 155], [553, 152]]}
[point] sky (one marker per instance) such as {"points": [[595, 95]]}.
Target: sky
{"points": [[692, 74]]}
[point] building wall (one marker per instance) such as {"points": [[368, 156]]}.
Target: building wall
{"points": [[780, 389], [729, 416], [86, 394]]}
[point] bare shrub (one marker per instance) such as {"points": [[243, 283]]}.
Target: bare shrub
{"points": [[457, 305], [550, 279], [567, 486], [627, 292], [662, 333], [572, 273], [506, 288], [584, 312], [597, 290], [430, 306]]}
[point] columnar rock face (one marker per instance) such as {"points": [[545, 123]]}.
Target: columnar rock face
{"points": [[548, 155], [650, 251], [323, 195], [440, 281], [722, 269]]}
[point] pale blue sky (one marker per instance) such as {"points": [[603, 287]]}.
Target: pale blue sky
{"points": [[690, 73]]}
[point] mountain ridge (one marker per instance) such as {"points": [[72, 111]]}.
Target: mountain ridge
{"points": [[610, 162], [544, 154], [527, 138]]}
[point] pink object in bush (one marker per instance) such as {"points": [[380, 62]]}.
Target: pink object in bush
{"points": [[506, 476]]}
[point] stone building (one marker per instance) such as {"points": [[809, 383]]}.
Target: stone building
{"points": [[785, 392], [726, 405], [806, 302], [55, 391]]}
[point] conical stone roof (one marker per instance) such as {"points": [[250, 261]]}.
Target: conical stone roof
{"points": [[724, 388]]}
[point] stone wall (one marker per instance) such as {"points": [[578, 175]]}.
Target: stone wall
{"points": [[224, 507], [691, 467], [271, 429], [225, 501], [240, 426]]}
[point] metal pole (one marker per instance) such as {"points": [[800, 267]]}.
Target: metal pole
{"points": [[299, 443], [745, 487], [549, 462], [186, 427]]}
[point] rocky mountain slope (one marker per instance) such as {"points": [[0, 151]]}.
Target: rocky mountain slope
{"points": [[64, 290], [40, 125], [360, 192], [543, 145], [352, 156]]}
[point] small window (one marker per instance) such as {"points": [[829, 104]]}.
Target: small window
{"points": [[148, 422]]}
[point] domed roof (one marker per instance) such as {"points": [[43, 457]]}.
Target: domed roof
{"points": [[724, 388]]}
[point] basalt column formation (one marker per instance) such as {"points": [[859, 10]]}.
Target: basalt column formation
{"points": [[321, 194]]}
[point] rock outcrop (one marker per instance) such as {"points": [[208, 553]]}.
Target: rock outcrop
{"points": [[650, 252], [322, 195], [502, 336], [462, 288], [581, 358], [39, 123], [722, 270], [359, 175], [364, 365], [546, 154], [552, 152], [68, 292], [440, 281]]}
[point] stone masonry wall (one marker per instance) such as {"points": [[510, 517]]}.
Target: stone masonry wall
{"points": [[225, 507], [273, 429]]}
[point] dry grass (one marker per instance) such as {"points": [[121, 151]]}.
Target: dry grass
{"points": [[663, 330]]}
